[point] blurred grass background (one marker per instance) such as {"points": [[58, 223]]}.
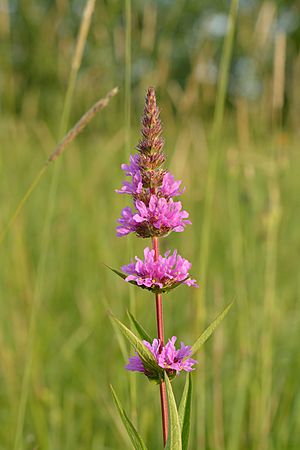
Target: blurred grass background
{"points": [[242, 194]]}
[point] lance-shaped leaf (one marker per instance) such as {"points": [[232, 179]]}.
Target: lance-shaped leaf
{"points": [[135, 438], [150, 364], [117, 272], [155, 290], [139, 328], [184, 412], [209, 330], [174, 431]]}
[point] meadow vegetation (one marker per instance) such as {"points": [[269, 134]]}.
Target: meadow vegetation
{"points": [[58, 350]]}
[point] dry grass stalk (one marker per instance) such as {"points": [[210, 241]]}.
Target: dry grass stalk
{"points": [[81, 124], [76, 63], [70, 136], [279, 71], [83, 32]]}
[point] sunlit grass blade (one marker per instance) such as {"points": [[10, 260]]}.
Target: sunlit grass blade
{"points": [[135, 438], [225, 68], [139, 328], [76, 62], [174, 431], [184, 411], [209, 330]]}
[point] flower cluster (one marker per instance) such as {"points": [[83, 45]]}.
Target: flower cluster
{"points": [[132, 170], [155, 212], [162, 273], [167, 357], [168, 188], [157, 218]]}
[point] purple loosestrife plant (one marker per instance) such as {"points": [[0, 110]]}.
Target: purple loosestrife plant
{"points": [[154, 214]]}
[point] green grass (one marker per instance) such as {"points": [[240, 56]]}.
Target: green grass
{"points": [[76, 354], [252, 367]]}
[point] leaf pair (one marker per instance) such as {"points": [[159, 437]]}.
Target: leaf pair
{"points": [[179, 419], [201, 339]]}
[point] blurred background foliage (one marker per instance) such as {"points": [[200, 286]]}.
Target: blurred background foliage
{"points": [[176, 47], [242, 194]]}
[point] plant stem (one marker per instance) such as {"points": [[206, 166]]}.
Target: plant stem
{"points": [[160, 333]]}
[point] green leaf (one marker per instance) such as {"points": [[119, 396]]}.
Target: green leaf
{"points": [[174, 433], [184, 411], [208, 332], [123, 276], [152, 368], [155, 290], [135, 438], [139, 328], [117, 272]]}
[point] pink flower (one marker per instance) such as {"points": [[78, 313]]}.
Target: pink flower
{"points": [[170, 187], [128, 225], [167, 357], [133, 170], [163, 273], [159, 218]]}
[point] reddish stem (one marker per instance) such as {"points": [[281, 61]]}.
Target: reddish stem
{"points": [[160, 332]]}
